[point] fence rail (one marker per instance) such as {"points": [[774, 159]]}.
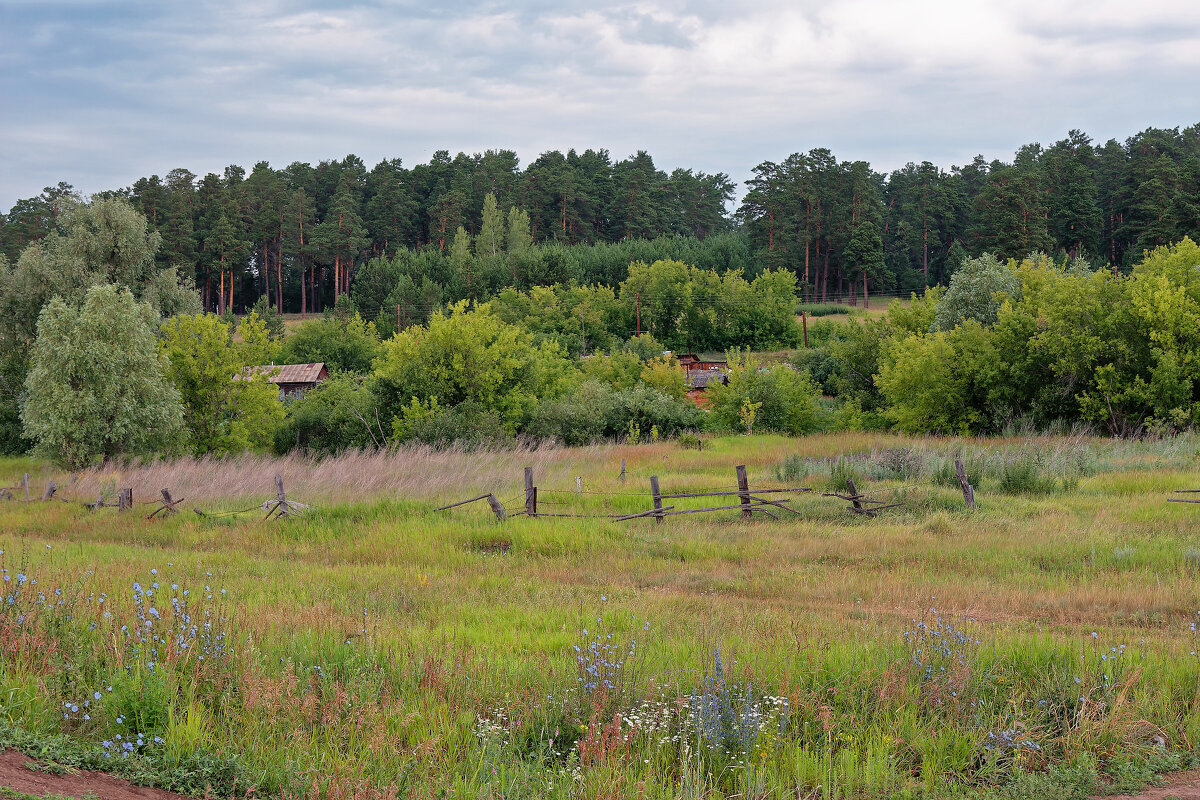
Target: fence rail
{"points": [[750, 501]]}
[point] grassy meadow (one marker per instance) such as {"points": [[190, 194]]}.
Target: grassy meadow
{"points": [[1042, 645]]}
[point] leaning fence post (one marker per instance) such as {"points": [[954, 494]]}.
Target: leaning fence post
{"points": [[658, 517], [622, 470], [497, 509], [967, 489], [853, 493], [744, 491], [530, 493], [51, 488]]}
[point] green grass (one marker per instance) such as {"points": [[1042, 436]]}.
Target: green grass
{"points": [[376, 643]]}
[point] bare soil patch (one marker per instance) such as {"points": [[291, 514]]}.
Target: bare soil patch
{"points": [[1179, 786], [16, 773]]}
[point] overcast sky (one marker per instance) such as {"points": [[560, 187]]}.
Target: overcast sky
{"points": [[99, 94]]}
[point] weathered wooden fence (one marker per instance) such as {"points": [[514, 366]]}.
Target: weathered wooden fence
{"points": [[749, 501]]}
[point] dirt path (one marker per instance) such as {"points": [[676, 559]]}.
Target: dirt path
{"points": [[1179, 786], [15, 774]]}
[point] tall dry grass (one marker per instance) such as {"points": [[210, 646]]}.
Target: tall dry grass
{"points": [[420, 472]]}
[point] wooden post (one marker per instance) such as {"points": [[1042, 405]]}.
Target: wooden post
{"points": [[853, 493], [622, 470], [578, 484], [658, 517], [967, 489], [804, 323], [25, 486], [279, 495], [167, 507], [744, 491], [530, 493], [497, 509], [125, 500], [50, 490]]}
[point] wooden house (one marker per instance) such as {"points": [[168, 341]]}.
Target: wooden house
{"points": [[293, 380]]}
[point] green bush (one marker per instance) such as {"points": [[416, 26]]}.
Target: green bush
{"points": [[340, 414], [786, 399], [595, 411], [468, 425], [819, 364], [348, 345]]}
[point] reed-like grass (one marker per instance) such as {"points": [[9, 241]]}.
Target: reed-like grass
{"points": [[408, 472]]}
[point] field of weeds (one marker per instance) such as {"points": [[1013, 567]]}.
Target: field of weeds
{"points": [[1042, 645]]}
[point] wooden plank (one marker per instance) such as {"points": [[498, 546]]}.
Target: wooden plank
{"points": [[753, 506], [1181, 500], [658, 518], [737, 493], [463, 502], [640, 514], [744, 490], [777, 504]]}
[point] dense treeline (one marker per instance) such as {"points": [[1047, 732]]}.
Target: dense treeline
{"points": [[299, 234], [470, 225], [1108, 203]]}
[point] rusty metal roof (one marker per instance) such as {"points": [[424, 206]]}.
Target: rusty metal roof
{"points": [[292, 373]]}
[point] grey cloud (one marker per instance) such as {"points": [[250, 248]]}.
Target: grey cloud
{"points": [[99, 94]]}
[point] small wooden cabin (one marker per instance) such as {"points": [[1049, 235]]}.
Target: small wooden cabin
{"points": [[293, 380], [698, 381]]}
